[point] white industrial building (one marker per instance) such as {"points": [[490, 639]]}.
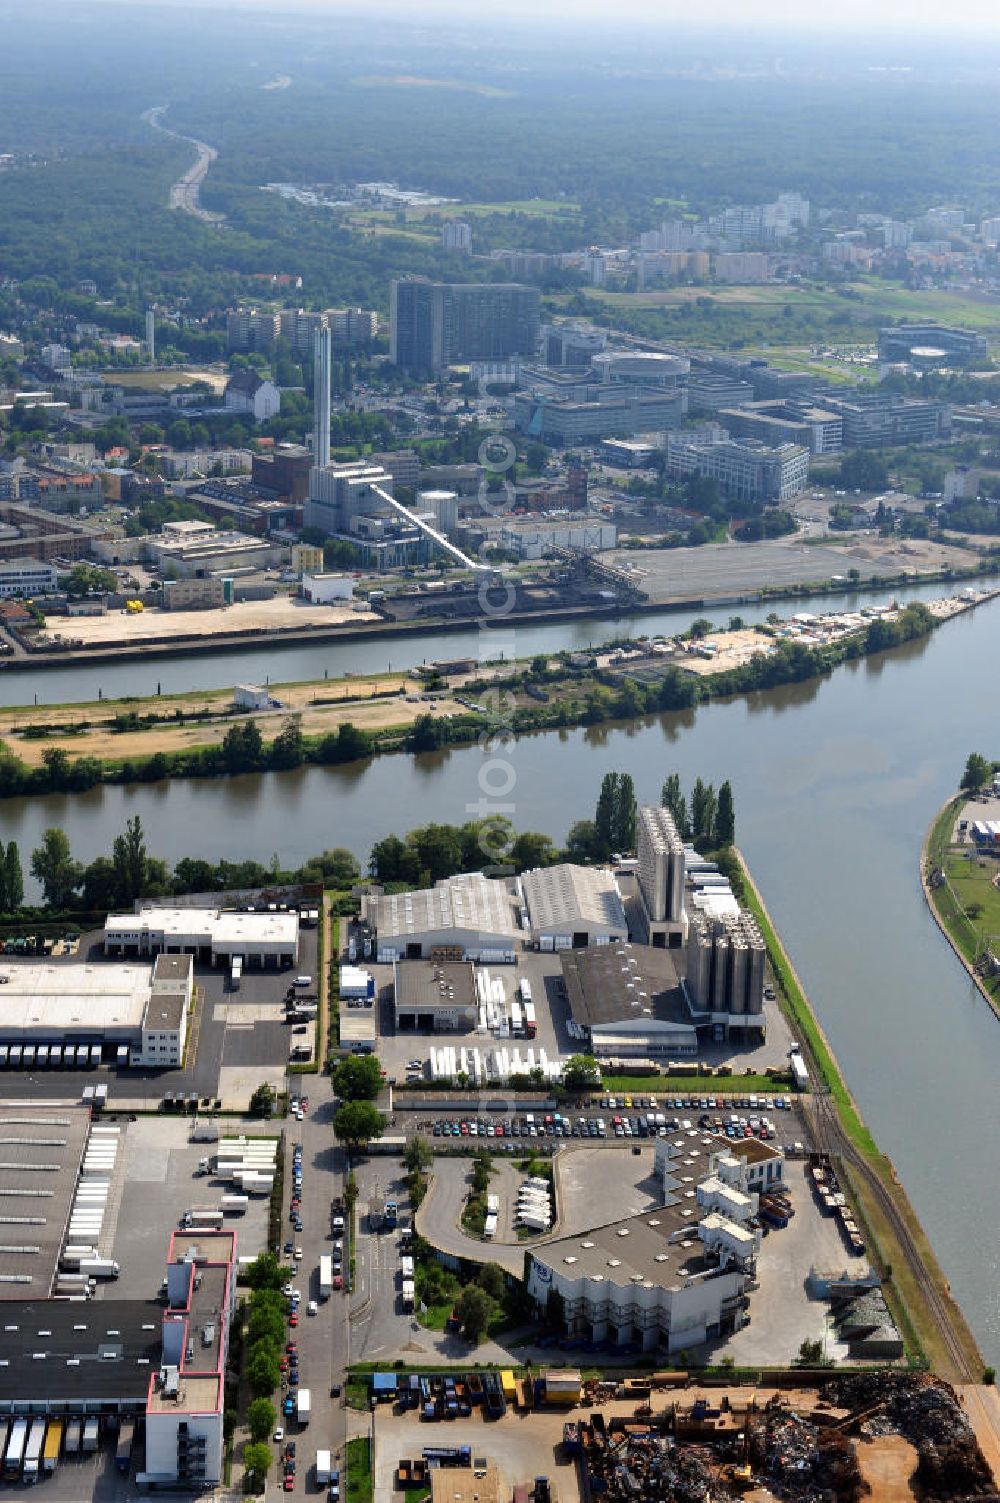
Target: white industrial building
{"points": [[672, 1278], [570, 907], [467, 917], [209, 934], [135, 1014], [321, 589], [251, 697], [27, 576]]}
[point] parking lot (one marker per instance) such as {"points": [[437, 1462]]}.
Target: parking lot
{"points": [[521, 1446], [158, 1167]]}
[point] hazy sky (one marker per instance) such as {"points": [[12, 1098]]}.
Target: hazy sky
{"points": [[844, 16]]}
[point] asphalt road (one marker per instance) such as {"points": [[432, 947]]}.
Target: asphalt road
{"points": [[322, 1338]]}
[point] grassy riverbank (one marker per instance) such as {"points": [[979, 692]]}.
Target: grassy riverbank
{"points": [[932, 1325], [962, 895]]}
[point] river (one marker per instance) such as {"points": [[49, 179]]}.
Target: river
{"points": [[835, 783], [295, 662]]}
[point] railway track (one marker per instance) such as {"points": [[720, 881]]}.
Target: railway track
{"points": [[830, 1138]]}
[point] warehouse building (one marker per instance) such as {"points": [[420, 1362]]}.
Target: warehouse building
{"points": [[628, 1002], [165, 1020], [43, 1151], [467, 917], [97, 1359], [72, 1005], [571, 907], [209, 934], [435, 996], [660, 851]]}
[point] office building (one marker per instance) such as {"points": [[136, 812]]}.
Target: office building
{"points": [[26, 577], [660, 851], [649, 369], [572, 344], [876, 420], [819, 429], [710, 390], [185, 1400], [613, 412], [434, 324], [746, 471], [965, 347]]}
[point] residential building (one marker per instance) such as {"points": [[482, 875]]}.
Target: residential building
{"points": [[26, 577], [253, 394], [743, 267], [252, 329], [354, 327], [434, 324], [57, 357], [184, 465], [456, 237], [298, 328], [746, 471]]}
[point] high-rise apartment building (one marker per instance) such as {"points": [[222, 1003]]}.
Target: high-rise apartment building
{"points": [[456, 237], [434, 324]]}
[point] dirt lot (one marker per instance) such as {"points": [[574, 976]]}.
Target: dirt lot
{"points": [[887, 1464], [280, 614], [371, 704]]}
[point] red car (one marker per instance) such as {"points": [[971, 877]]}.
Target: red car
{"points": [[337, 1282], [292, 1347], [283, 1364], [293, 1319], [289, 1482]]}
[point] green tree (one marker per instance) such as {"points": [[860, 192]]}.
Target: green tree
{"points": [[614, 820], [265, 1272], [978, 772], [262, 1101], [289, 749], [672, 799], [56, 762], [492, 1279], [482, 1168], [338, 867], [358, 1122], [130, 862], [417, 1155], [263, 1371], [358, 1077], [725, 816], [257, 1459], [530, 849], [53, 866], [474, 1310], [581, 841], [580, 1071], [265, 1323], [702, 810], [261, 1419], [243, 748]]}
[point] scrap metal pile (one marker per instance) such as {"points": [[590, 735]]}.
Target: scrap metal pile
{"points": [[703, 1450], [924, 1411]]}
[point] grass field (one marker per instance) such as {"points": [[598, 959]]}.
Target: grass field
{"points": [[968, 902], [359, 1471]]}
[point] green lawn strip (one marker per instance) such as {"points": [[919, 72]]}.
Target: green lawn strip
{"points": [[969, 883], [359, 1471], [692, 1085]]}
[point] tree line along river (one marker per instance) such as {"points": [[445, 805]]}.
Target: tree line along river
{"points": [[835, 782]]}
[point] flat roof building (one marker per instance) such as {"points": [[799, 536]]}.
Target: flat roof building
{"points": [[469, 917], [435, 996], [98, 1357], [629, 1003], [747, 471], [73, 1003], [570, 907], [218, 935], [42, 1154]]}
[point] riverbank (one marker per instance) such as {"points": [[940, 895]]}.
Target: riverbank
{"points": [[916, 1289], [172, 647], [324, 722], [946, 906]]}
